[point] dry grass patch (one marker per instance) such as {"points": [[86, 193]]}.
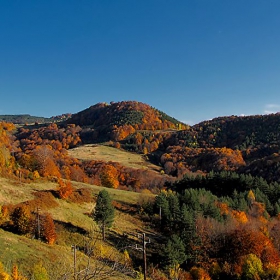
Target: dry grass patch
{"points": [[76, 214], [14, 192], [123, 196], [106, 153]]}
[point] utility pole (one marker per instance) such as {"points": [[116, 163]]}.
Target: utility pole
{"points": [[74, 260], [144, 255], [38, 223], [20, 177], [143, 249]]}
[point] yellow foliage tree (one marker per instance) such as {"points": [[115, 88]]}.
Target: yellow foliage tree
{"points": [[48, 229], [240, 216], [65, 189], [109, 177], [252, 267], [22, 219], [3, 274], [40, 272], [251, 197]]}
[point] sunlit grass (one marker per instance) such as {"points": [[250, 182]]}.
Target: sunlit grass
{"points": [[106, 153]]}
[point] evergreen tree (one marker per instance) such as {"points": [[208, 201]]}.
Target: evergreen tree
{"points": [[187, 225], [162, 207], [174, 209], [276, 208], [174, 251], [104, 211]]}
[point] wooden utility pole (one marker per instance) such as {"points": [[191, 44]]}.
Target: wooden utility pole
{"points": [[38, 224], [74, 261], [144, 256], [143, 249]]}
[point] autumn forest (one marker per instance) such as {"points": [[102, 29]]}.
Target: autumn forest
{"points": [[206, 197]]}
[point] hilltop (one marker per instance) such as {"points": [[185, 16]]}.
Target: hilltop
{"points": [[116, 121]]}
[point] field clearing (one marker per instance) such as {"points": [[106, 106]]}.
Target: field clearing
{"points": [[106, 153]]}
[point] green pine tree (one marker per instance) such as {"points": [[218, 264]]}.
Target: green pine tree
{"points": [[174, 251], [104, 211], [162, 207]]}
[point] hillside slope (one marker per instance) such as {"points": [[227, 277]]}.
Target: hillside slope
{"points": [[73, 226]]}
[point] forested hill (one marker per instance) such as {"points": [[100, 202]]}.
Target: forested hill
{"points": [[116, 121], [246, 144], [239, 132]]}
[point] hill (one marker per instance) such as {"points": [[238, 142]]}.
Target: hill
{"points": [[116, 121], [111, 154], [244, 144]]}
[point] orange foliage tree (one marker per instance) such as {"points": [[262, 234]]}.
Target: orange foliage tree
{"points": [[48, 229], [16, 275], [65, 189], [44, 157], [6, 146]]}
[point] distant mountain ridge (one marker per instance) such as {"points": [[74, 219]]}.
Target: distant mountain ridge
{"points": [[28, 119], [24, 118]]}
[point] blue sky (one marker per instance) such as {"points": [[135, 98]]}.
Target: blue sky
{"points": [[194, 60]]}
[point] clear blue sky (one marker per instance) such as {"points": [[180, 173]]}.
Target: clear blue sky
{"points": [[193, 59]]}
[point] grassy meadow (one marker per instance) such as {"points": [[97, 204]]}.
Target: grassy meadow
{"points": [[106, 153]]}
